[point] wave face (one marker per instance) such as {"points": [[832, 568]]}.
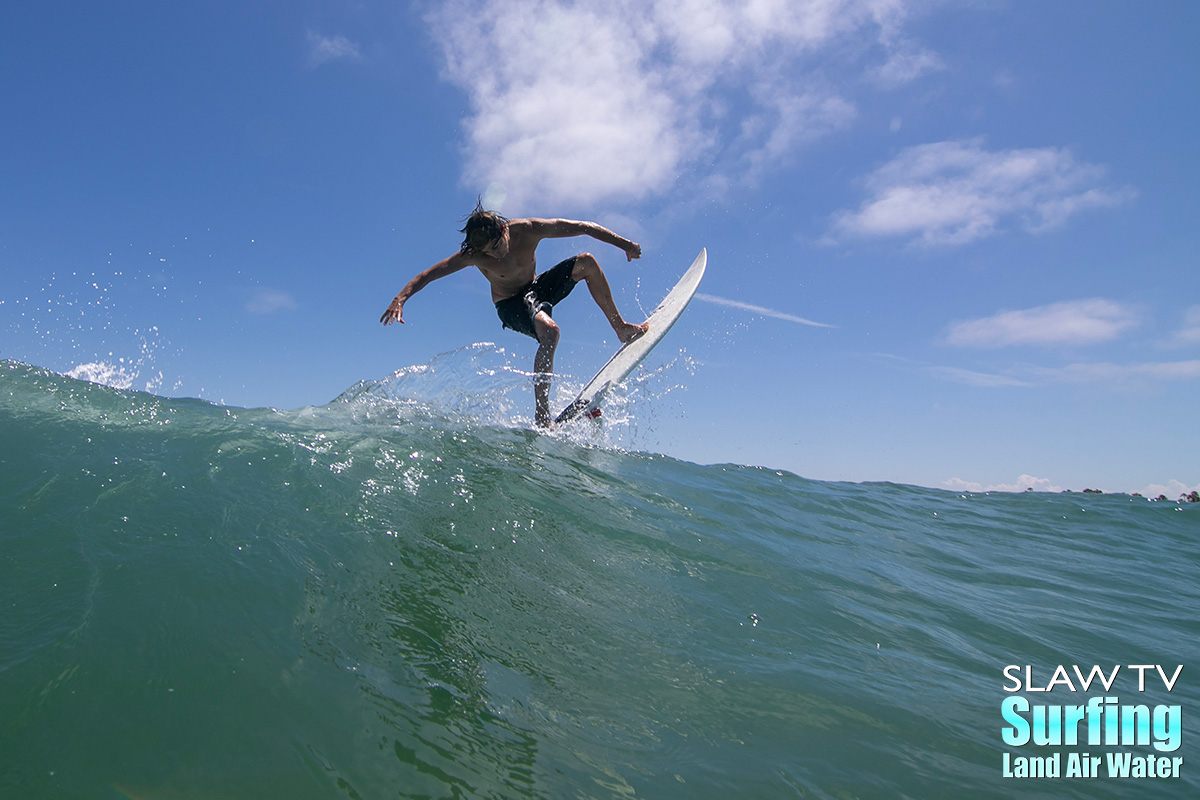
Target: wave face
{"points": [[398, 595]]}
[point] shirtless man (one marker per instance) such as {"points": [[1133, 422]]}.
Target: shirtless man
{"points": [[503, 250]]}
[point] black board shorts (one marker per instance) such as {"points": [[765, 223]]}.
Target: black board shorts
{"points": [[517, 312]]}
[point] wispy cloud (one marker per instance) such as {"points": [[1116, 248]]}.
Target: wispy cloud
{"points": [[1172, 489], [1079, 322], [949, 193], [961, 375], [580, 104], [323, 49], [907, 65], [969, 377], [1107, 372], [766, 312], [907, 60], [269, 301], [1098, 372], [1022, 484], [1189, 332]]}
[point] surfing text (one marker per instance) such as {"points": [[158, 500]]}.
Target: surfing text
{"points": [[1099, 720]]}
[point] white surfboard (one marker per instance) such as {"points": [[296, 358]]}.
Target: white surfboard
{"points": [[630, 355]]}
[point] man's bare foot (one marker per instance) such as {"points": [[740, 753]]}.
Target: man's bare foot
{"points": [[628, 331]]}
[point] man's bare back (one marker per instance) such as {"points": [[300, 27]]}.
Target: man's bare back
{"points": [[505, 252]]}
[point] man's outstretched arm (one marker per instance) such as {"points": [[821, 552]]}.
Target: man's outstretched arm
{"points": [[447, 266], [562, 228]]}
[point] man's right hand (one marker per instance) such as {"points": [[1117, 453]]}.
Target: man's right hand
{"points": [[394, 313]]}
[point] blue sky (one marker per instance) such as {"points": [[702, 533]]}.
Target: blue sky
{"points": [[951, 244]]}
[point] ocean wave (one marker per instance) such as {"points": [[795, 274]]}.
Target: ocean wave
{"points": [[411, 592]]}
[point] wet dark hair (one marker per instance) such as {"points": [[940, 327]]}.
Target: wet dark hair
{"points": [[483, 227]]}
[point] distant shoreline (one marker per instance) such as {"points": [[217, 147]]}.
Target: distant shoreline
{"points": [[1190, 497]]}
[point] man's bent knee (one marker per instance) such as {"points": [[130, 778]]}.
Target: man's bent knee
{"points": [[585, 265], [547, 330]]}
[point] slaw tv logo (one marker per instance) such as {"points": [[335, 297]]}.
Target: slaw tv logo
{"points": [[1097, 721]]}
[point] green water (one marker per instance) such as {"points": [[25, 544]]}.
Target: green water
{"points": [[380, 599]]}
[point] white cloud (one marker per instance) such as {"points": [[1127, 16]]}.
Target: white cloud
{"points": [[323, 49], [1079, 322], [907, 65], [766, 312], [1105, 372], [907, 60], [785, 123], [955, 192], [1114, 375], [578, 104], [1172, 489], [268, 301], [1023, 483], [954, 374], [1189, 333]]}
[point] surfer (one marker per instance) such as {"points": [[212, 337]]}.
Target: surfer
{"points": [[503, 250]]}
